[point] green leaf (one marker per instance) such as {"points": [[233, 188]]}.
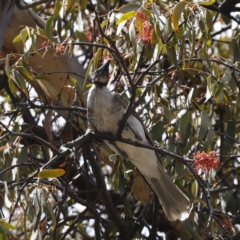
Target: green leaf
{"points": [[35, 235], [86, 76], [204, 125], [40, 31], [209, 88], [96, 58], [82, 230], [47, 237], [7, 202], [51, 173], [7, 69], [180, 171], [104, 23], [179, 116], [155, 10], [226, 77], [120, 27], [73, 80], [180, 33], [168, 113], [118, 182], [47, 208], [227, 97], [25, 221], [4, 233], [121, 188], [116, 166], [58, 6], [208, 143], [12, 86], [24, 72], [89, 86], [125, 17], [209, 19], [229, 142], [211, 2], [42, 77], [38, 210], [236, 50], [28, 31], [170, 130], [157, 131], [132, 32], [113, 157], [21, 82], [24, 35], [194, 188], [49, 25], [34, 41], [26, 57], [138, 92], [189, 144], [112, 19], [188, 226], [83, 4], [129, 7], [174, 56], [183, 124], [70, 5], [189, 98], [53, 217], [43, 200], [215, 70], [17, 38], [7, 225], [177, 11], [30, 213]]}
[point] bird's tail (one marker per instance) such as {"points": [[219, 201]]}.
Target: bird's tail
{"points": [[175, 203]]}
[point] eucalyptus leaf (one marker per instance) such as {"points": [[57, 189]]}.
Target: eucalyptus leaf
{"points": [[129, 7], [205, 123]]}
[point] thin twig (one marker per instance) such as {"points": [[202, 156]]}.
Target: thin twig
{"points": [[30, 5]]}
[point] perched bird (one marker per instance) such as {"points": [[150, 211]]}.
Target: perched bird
{"points": [[105, 111]]}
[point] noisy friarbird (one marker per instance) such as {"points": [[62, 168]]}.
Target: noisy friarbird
{"points": [[105, 111]]}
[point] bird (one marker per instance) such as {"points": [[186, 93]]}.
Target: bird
{"points": [[105, 110]]}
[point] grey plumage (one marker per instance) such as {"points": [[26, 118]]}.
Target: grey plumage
{"points": [[105, 110]]}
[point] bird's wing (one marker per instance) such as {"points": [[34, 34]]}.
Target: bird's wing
{"points": [[124, 103], [90, 120], [175, 203]]}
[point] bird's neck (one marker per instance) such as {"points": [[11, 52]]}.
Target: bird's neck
{"points": [[100, 84]]}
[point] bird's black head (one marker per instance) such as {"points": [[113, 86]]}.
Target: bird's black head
{"points": [[101, 75]]}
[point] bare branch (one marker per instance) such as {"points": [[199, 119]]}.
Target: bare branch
{"points": [[31, 5]]}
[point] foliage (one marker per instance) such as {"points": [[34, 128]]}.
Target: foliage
{"points": [[177, 70]]}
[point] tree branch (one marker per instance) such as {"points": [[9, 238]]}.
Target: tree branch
{"points": [[30, 5]]}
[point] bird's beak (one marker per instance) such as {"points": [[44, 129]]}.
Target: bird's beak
{"points": [[104, 68], [6, 8], [101, 74]]}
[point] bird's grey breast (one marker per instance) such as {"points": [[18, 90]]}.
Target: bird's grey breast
{"points": [[104, 111]]}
